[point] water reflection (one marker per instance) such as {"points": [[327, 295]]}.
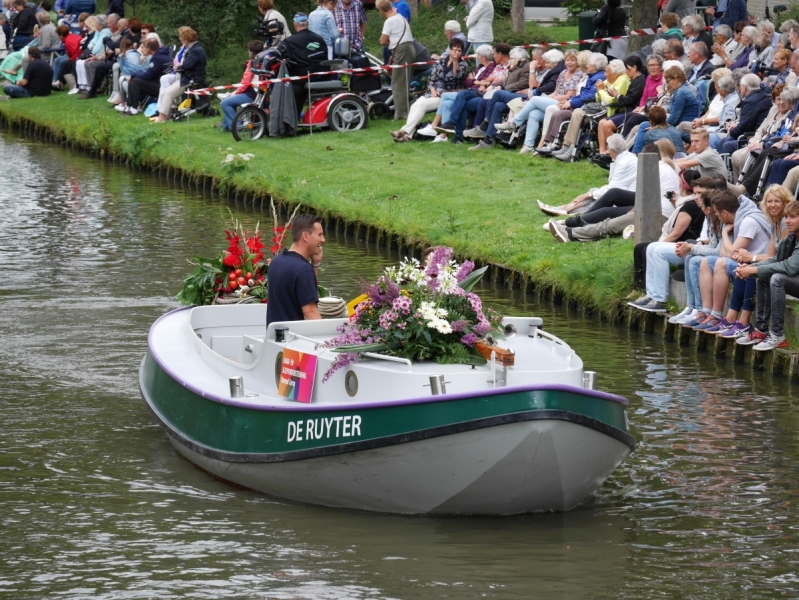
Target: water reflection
{"points": [[95, 503]]}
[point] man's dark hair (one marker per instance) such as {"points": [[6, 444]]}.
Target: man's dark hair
{"points": [[301, 224], [255, 46], [725, 200], [46, 6], [710, 182], [676, 47], [502, 48], [152, 45], [34, 52]]}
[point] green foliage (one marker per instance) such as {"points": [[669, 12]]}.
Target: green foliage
{"points": [[470, 280], [791, 13], [199, 286]]}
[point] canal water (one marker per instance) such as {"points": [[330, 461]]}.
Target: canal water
{"points": [[94, 503]]}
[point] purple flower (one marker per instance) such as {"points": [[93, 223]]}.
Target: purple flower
{"points": [[384, 292], [466, 268], [439, 258], [469, 339], [482, 328], [459, 325]]}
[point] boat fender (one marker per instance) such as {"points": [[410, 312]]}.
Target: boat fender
{"points": [[504, 356]]}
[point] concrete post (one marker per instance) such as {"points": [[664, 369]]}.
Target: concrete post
{"points": [[648, 215]]}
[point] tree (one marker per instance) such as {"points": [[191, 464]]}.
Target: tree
{"points": [[414, 4], [517, 16], [644, 16]]}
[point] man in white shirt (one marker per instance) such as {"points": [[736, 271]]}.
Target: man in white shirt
{"points": [[479, 22], [399, 39]]}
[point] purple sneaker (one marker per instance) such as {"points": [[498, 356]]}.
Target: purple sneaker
{"points": [[737, 330], [722, 326], [700, 317], [711, 321]]}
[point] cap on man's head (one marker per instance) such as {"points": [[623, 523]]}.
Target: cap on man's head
{"points": [[300, 17]]}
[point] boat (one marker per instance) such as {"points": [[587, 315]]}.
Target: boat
{"points": [[249, 405]]}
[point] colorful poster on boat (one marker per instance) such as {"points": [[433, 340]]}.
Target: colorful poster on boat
{"points": [[297, 374]]}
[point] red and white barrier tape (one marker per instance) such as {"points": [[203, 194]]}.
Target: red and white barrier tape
{"points": [[212, 90]]}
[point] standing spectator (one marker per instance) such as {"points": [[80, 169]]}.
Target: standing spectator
{"points": [[728, 12], [245, 93], [683, 8], [77, 7], [452, 29], [479, 23], [322, 23], [37, 80], [22, 24], [351, 21], [116, 7], [268, 13], [398, 37], [776, 277], [610, 21]]}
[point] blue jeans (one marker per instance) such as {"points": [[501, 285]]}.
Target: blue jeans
{"points": [[728, 145], [15, 91], [496, 106], [715, 141], [445, 106], [59, 66], [694, 299], [743, 293], [659, 255], [461, 99], [470, 107], [533, 113], [229, 106]]}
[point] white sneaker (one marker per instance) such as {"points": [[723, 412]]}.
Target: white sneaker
{"points": [[427, 130], [440, 138], [546, 226], [771, 342], [114, 97], [552, 211], [120, 107], [680, 318], [558, 231], [526, 150], [73, 91]]}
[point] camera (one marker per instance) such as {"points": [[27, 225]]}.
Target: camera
{"points": [[670, 195], [268, 30]]}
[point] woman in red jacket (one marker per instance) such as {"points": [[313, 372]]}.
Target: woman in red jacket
{"points": [[245, 93], [71, 43]]}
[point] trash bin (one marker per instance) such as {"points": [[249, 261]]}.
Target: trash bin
{"points": [[585, 27]]}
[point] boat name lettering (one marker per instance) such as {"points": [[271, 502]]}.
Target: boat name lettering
{"points": [[324, 428]]}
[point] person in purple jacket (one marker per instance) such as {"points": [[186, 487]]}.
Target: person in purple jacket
{"points": [[148, 82]]}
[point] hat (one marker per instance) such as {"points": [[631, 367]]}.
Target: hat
{"points": [[300, 17]]}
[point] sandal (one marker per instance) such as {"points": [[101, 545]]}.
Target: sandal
{"points": [[402, 139], [398, 134]]}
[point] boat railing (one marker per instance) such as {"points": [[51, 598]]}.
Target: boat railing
{"points": [[551, 337], [396, 359]]}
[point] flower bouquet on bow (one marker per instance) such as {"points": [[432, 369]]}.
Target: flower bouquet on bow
{"points": [[238, 274], [419, 313]]}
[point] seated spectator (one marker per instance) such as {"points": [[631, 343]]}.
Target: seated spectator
{"points": [[725, 46], [562, 112], [47, 36], [764, 58], [71, 43], [675, 51], [533, 111], [779, 117], [616, 205], [12, 69], [749, 53], [76, 7], [701, 66], [707, 244], [495, 103], [693, 29], [659, 128], [622, 176], [621, 91], [745, 227], [5, 35], [452, 29], [652, 88], [37, 74], [96, 31], [781, 69], [245, 93], [191, 71], [477, 79], [544, 73], [683, 105], [686, 223], [703, 158], [721, 111], [448, 75], [776, 277], [23, 23], [779, 146], [468, 100], [147, 82], [670, 27], [736, 322]]}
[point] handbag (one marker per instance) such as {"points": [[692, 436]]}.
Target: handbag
{"points": [[594, 110]]}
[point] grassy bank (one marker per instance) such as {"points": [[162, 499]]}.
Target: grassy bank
{"points": [[482, 203]]}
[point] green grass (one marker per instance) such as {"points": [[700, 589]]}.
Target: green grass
{"points": [[480, 203]]}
